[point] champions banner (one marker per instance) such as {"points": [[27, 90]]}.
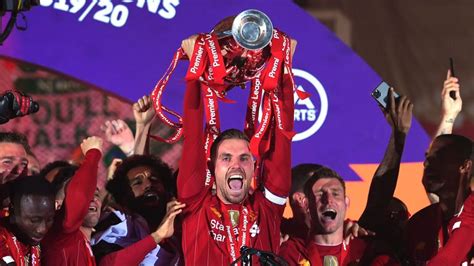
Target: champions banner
{"points": [[124, 47]]}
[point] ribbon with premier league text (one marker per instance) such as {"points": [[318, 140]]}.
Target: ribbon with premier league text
{"points": [[207, 65]]}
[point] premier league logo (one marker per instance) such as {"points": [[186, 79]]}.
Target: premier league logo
{"points": [[311, 112]]}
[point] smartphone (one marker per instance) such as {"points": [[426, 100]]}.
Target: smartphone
{"points": [[380, 94], [451, 66], [452, 94]]}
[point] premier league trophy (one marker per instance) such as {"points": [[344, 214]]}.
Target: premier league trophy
{"points": [[240, 50], [244, 43]]}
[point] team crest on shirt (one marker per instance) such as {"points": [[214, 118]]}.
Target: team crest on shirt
{"points": [[304, 262], [254, 230]]}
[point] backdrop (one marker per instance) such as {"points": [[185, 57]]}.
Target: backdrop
{"points": [[123, 47]]}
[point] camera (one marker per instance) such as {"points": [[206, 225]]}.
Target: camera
{"points": [[376, 94], [14, 104]]}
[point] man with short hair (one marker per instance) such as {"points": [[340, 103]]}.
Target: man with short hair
{"points": [[327, 201], [67, 243], [215, 227], [447, 173], [13, 163], [446, 178], [13, 160], [31, 216]]}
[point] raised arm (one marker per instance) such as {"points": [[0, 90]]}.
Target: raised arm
{"points": [[80, 190], [144, 114], [382, 187], [192, 167], [450, 107], [277, 166]]}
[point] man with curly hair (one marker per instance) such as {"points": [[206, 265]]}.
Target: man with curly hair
{"points": [[143, 189]]}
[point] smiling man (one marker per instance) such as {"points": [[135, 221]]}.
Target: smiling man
{"points": [[327, 203], [79, 212]]}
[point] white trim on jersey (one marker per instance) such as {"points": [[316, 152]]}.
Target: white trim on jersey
{"points": [[274, 198]]}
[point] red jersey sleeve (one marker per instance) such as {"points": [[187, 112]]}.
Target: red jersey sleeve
{"points": [[131, 255], [192, 169], [456, 249], [277, 166], [467, 214], [462, 239], [80, 191]]}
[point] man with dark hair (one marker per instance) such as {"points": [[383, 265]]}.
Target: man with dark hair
{"points": [[327, 201], [13, 161], [144, 185], [446, 178], [215, 227], [31, 216], [143, 188], [447, 173], [67, 243]]}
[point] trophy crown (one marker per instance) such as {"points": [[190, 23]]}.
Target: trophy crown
{"points": [[244, 40], [252, 29]]}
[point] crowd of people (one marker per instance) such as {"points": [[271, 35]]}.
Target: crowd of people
{"points": [[149, 215]]}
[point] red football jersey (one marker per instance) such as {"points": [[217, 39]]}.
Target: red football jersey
{"points": [[299, 252], [209, 237], [65, 244]]}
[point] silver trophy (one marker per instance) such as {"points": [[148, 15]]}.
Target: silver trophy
{"points": [[244, 43]]}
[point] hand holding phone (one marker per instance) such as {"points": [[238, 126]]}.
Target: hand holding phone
{"points": [[397, 110], [452, 94], [380, 94], [451, 100]]}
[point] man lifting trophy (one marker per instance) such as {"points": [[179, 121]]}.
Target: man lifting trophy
{"points": [[237, 222]]}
